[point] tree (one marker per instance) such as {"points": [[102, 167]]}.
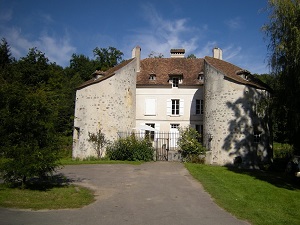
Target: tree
{"points": [[107, 57], [82, 65], [283, 32], [28, 109], [191, 56], [155, 55], [5, 54]]}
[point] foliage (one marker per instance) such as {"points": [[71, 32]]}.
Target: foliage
{"points": [[283, 151], [131, 149], [107, 57], [283, 32], [191, 56], [191, 148], [256, 196], [155, 55], [98, 141], [28, 109], [282, 154]]}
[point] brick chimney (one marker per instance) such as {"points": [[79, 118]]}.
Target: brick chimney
{"points": [[177, 53]]}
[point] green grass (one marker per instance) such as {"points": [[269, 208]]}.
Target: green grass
{"points": [[60, 197], [256, 196]]}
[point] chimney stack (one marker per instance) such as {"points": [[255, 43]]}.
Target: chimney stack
{"points": [[177, 53], [217, 53], [136, 53]]}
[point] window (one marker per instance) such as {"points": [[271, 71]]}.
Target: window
{"points": [[149, 133], [175, 106], [199, 106], [152, 77], [76, 132], [150, 107], [174, 125], [199, 128], [175, 82], [201, 77]]}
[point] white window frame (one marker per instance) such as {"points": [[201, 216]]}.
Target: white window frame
{"points": [[170, 107]]}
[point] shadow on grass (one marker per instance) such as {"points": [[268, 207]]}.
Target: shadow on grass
{"points": [[46, 183], [278, 179]]}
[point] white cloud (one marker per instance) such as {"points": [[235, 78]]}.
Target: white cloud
{"points": [[234, 23], [56, 49], [231, 51], [162, 34]]}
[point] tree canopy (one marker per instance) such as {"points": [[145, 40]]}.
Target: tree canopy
{"points": [[283, 32]]}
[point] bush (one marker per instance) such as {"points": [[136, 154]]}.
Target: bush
{"points": [[131, 149], [191, 149], [282, 153]]}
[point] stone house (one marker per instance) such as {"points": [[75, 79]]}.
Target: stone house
{"points": [[217, 98]]}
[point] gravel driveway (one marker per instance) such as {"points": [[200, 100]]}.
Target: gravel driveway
{"points": [[151, 193]]}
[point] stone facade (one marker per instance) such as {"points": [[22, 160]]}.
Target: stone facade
{"points": [[233, 126], [109, 103]]}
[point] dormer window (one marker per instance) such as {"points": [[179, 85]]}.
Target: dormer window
{"points": [[152, 77], [175, 79], [245, 74], [175, 82], [201, 77]]}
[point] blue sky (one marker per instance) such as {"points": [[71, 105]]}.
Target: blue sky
{"points": [[60, 28]]}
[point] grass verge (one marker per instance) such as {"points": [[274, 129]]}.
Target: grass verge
{"points": [[60, 197], [254, 196]]}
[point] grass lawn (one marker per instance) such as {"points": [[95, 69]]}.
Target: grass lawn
{"points": [[256, 196], [59, 197]]}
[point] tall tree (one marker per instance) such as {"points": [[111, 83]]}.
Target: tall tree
{"points": [[107, 57], [5, 54], [283, 32], [28, 111]]}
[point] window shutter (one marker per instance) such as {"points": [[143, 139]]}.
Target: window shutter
{"points": [[169, 107], [150, 107], [181, 107], [193, 107]]}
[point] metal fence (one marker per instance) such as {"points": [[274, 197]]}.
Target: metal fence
{"points": [[164, 143]]}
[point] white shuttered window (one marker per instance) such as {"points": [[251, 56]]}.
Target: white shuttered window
{"points": [[175, 107], [150, 107]]}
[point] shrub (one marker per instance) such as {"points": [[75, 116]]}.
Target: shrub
{"points": [[191, 149], [131, 149], [282, 153], [98, 141]]}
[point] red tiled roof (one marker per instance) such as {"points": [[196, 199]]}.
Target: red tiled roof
{"points": [[106, 74], [188, 68], [163, 68], [231, 71]]}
